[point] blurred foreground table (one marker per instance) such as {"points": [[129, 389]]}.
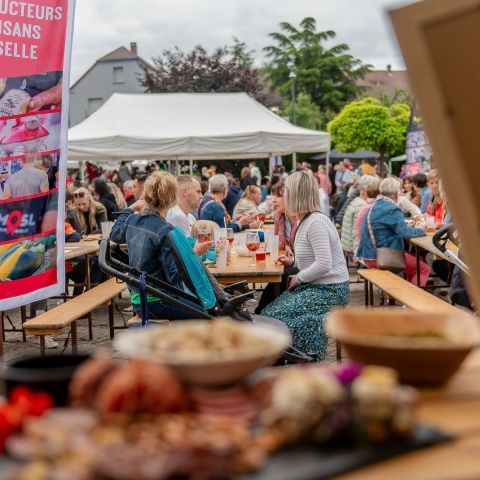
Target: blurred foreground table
{"points": [[453, 408]]}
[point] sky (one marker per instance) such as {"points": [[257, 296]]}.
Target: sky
{"points": [[104, 25]]}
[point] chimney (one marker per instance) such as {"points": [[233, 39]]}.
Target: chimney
{"points": [[133, 47]]}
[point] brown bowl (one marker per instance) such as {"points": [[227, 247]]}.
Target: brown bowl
{"points": [[424, 348]]}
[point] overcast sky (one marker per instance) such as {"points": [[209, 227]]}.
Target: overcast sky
{"points": [[103, 25]]}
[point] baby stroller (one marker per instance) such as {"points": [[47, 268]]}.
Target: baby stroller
{"points": [[202, 289]]}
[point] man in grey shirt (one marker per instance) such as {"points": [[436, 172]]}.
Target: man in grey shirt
{"points": [[28, 181]]}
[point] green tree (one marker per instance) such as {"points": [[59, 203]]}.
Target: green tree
{"points": [[367, 124], [306, 112], [328, 75], [226, 69]]}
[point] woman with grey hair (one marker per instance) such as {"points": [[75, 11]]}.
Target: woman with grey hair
{"points": [[214, 210], [389, 230], [322, 280], [349, 234]]}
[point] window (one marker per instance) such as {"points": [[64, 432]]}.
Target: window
{"points": [[94, 104], [118, 75]]}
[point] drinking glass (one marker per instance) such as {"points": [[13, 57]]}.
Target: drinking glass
{"points": [[230, 236], [253, 244]]}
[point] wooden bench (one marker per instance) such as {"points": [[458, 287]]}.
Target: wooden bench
{"points": [[397, 288], [137, 319], [55, 320]]}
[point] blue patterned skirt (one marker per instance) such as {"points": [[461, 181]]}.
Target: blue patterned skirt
{"points": [[304, 309]]}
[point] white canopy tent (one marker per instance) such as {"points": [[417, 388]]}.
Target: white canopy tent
{"points": [[188, 126]]}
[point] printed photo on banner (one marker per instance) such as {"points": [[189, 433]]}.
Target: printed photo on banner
{"points": [[35, 49], [30, 93], [35, 133], [28, 216], [28, 258], [29, 175]]}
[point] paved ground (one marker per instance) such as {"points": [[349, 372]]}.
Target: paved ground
{"points": [[14, 347]]}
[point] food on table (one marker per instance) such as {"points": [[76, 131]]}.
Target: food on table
{"points": [[319, 404], [129, 388], [143, 423], [21, 405], [88, 378], [382, 407], [243, 402], [219, 339], [187, 445]]}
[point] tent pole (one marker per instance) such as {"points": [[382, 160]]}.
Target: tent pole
{"points": [[294, 161], [82, 171], [191, 165], [327, 162]]}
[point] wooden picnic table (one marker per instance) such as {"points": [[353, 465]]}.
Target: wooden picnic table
{"points": [[77, 249], [426, 244], [86, 247], [239, 269]]}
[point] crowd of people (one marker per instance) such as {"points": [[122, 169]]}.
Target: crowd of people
{"points": [[326, 221]]}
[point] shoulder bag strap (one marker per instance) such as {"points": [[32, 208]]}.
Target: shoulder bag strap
{"points": [[370, 229]]}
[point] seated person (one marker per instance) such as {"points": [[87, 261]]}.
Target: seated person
{"points": [[202, 226], [146, 235], [90, 213], [248, 203], [213, 209]]}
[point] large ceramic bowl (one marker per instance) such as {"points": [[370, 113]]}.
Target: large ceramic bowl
{"points": [[207, 368], [424, 348]]}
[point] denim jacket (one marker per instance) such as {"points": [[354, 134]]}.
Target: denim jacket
{"points": [[389, 229], [146, 235]]}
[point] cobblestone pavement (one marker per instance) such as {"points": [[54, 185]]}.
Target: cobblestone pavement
{"points": [[14, 347]]}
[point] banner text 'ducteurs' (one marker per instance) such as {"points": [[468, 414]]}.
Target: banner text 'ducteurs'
{"points": [[21, 27]]}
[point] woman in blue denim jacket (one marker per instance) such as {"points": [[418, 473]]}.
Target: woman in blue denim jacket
{"points": [[146, 234], [390, 231]]}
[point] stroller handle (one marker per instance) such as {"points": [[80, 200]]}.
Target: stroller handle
{"points": [[440, 240]]}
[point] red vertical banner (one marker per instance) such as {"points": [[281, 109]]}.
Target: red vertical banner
{"points": [[35, 47]]}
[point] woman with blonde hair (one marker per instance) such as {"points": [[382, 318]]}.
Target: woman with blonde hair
{"points": [[203, 225], [248, 203], [322, 280], [90, 213], [146, 232], [436, 206]]}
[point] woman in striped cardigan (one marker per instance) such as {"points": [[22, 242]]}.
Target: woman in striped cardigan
{"points": [[322, 279]]}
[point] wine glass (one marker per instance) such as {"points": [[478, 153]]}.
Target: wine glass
{"points": [[261, 217], [253, 244], [230, 236]]}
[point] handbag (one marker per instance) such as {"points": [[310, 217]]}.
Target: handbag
{"points": [[387, 258]]}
